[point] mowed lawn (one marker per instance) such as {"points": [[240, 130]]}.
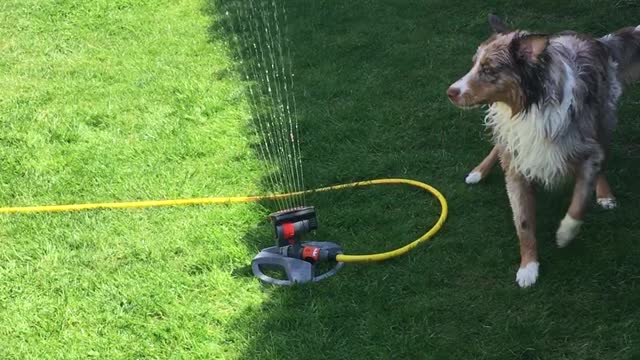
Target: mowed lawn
{"points": [[106, 100]]}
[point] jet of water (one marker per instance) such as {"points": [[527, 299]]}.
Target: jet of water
{"points": [[264, 58]]}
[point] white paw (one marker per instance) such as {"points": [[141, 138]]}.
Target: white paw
{"points": [[569, 228], [474, 177], [607, 203], [528, 275]]}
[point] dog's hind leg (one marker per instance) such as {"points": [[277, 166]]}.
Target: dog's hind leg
{"points": [[484, 168], [604, 196], [586, 177]]}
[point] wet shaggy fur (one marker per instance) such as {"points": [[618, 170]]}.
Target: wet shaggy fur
{"points": [[624, 47], [569, 97], [552, 103]]}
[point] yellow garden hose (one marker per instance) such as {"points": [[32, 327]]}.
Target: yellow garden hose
{"points": [[241, 199]]}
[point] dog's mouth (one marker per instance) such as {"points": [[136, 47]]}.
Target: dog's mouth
{"points": [[464, 104], [468, 107]]}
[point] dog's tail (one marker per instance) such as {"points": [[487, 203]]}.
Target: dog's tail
{"points": [[624, 46]]}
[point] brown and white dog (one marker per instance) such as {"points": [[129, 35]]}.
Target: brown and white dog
{"points": [[552, 103]]}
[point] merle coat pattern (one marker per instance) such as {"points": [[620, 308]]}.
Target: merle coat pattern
{"points": [[552, 103]]}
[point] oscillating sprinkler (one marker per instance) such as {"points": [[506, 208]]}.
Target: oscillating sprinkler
{"points": [[297, 261]]}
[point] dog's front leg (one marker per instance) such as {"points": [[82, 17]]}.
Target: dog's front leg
{"points": [[484, 168], [522, 200], [586, 175]]}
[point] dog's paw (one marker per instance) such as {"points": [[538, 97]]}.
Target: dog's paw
{"points": [[474, 177], [607, 203], [569, 228], [528, 274]]}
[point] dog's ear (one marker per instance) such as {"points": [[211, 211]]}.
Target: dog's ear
{"points": [[497, 25], [530, 47]]}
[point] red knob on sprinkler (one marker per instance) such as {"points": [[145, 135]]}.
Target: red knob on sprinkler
{"points": [[310, 254]]}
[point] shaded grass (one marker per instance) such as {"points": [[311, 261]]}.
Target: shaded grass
{"points": [[373, 76], [109, 100]]}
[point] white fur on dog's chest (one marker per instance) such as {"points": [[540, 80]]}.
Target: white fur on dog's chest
{"points": [[529, 138], [535, 138]]}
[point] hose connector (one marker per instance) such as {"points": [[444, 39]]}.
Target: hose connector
{"points": [[310, 254]]}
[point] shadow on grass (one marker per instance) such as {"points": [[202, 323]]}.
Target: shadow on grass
{"points": [[370, 79]]}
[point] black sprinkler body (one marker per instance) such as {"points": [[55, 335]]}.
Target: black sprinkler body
{"points": [[297, 260], [290, 225]]}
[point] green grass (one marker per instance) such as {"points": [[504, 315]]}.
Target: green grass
{"points": [[108, 100]]}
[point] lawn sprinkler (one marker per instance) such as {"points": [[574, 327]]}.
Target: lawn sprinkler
{"points": [[296, 261]]}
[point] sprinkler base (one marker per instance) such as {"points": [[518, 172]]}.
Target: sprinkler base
{"points": [[292, 269]]}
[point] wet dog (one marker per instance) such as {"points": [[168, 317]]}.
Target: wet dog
{"points": [[552, 103]]}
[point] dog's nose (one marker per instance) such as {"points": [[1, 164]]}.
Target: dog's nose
{"points": [[453, 92]]}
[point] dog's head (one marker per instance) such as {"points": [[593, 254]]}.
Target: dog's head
{"points": [[503, 69]]}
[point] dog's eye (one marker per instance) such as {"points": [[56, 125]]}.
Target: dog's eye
{"points": [[488, 71]]}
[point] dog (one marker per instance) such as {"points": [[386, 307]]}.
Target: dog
{"points": [[551, 107]]}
